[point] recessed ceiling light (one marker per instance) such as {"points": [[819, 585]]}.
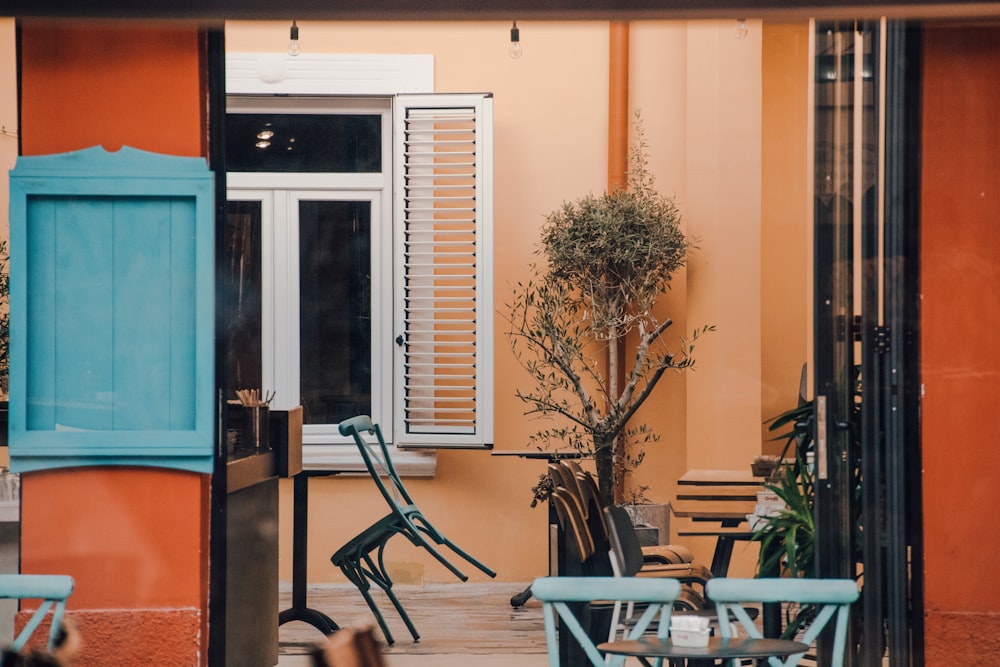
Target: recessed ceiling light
{"points": [[263, 144], [265, 134]]}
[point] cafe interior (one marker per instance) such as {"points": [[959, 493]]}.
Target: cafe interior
{"points": [[216, 220]]}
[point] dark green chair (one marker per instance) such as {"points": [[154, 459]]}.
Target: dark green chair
{"points": [[355, 559]]}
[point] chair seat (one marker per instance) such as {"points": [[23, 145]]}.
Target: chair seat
{"points": [[370, 538]]}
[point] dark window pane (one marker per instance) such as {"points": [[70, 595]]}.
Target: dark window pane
{"points": [[335, 310], [304, 143], [241, 274]]}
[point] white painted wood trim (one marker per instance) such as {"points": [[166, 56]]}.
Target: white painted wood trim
{"points": [[328, 74]]}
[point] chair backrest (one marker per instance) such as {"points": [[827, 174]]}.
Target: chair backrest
{"points": [[51, 589], [589, 491], [562, 477], [377, 459], [557, 593], [832, 599], [625, 548], [573, 523]]}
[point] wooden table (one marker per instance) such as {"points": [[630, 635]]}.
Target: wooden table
{"points": [[717, 649], [724, 497], [718, 496]]}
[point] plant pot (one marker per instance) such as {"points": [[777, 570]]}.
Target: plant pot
{"points": [[651, 515]]}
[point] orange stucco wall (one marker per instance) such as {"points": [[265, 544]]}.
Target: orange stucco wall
{"points": [[133, 538], [960, 357], [112, 84]]}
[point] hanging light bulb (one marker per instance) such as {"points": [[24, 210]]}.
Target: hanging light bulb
{"points": [[293, 41], [516, 51], [742, 29]]}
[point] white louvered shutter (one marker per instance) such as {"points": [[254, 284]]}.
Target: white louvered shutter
{"points": [[443, 228]]}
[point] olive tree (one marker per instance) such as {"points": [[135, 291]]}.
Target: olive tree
{"points": [[583, 326]]}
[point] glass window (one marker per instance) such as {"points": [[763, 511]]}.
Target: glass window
{"points": [[333, 143], [335, 336]]}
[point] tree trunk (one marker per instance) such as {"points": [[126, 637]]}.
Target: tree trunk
{"points": [[616, 352], [604, 460]]}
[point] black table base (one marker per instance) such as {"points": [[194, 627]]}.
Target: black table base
{"points": [[300, 611]]}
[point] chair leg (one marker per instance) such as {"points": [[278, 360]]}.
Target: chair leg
{"points": [[418, 539], [402, 614], [356, 575], [481, 566], [426, 528]]}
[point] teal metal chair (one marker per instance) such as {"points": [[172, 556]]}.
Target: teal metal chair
{"points": [[565, 597], [51, 589], [832, 599], [355, 558]]}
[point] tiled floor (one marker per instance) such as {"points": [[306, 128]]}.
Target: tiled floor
{"points": [[459, 624]]}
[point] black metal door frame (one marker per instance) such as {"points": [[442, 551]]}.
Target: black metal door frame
{"points": [[866, 351]]}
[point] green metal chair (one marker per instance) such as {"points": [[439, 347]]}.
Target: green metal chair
{"points": [[565, 597], [405, 518], [51, 589], [832, 598]]}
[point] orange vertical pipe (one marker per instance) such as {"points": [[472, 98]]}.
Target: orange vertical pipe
{"points": [[618, 104], [618, 57]]}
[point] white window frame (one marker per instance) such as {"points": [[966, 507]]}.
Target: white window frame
{"points": [[251, 75]]}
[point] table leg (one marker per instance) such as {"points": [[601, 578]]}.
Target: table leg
{"points": [[771, 611], [299, 611], [723, 550]]}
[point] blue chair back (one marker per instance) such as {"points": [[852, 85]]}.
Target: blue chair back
{"points": [[832, 598], [52, 589], [556, 594], [377, 460]]}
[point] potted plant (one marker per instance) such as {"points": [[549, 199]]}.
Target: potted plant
{"points": [[590, 308]]}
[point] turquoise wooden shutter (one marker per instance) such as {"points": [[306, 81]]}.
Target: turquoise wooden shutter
{"points": [[111, 311]]}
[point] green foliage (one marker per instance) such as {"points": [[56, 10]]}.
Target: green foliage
{"points": [[607, 258], [617, 251], [787, 540]]}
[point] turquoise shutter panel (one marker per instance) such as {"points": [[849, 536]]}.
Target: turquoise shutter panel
{"points": [[112, 283]]}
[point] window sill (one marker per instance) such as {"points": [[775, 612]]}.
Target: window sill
{"points": [[345, 458]]}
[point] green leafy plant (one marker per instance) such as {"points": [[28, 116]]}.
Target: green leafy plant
{"points": [[607, 260], [787, 539]]}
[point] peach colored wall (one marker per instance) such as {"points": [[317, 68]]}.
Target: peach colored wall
{"points": [[960, 358], [133, 538], [699, 90], [786, 249], [723, 96]]}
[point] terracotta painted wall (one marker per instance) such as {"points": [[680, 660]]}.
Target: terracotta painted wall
{"points": [[134, 539], [960, 357], [700, 93]]}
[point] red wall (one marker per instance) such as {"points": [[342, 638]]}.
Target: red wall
{"points": [[136, 540], [960, 322]]}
